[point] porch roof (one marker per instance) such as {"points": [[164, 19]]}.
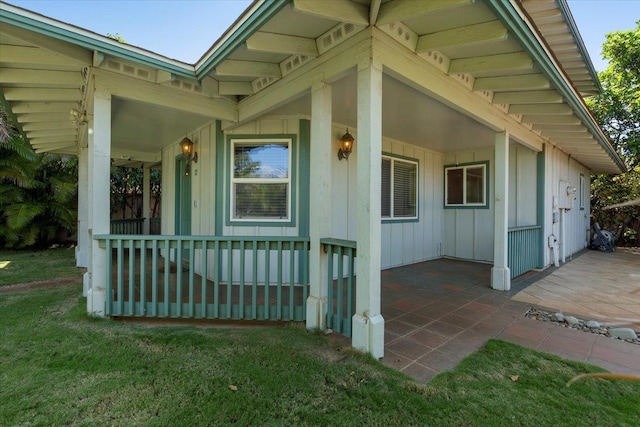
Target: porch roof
{"points": [[521, 57]]}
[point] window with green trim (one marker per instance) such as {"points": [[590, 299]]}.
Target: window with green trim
{"points": [[261, 180], [399, 189], [466, 185]]}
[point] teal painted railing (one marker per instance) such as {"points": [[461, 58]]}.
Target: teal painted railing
{"points": [[341, 284], [252, 278], [524, 249], [127, 226]]}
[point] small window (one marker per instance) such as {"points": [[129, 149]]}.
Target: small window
{"points": [[399, 189], [582, 191], [261, 180], [466, 185]]}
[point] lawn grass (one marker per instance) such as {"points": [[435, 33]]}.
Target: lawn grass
{"points": [[32, 266], [59, 367]]}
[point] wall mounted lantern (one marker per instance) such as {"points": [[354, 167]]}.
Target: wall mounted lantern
{"points": [[346, 145], [186, 146]]}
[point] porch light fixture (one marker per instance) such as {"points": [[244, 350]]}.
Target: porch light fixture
{"points": [[186, 146], [345, 146]]}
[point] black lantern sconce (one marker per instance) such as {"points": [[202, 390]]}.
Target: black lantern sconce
{"points": [[186, 146], [346, 146]]}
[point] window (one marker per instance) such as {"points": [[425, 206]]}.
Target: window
{"points": [[261, 180], [466, 185], [399, 192]]}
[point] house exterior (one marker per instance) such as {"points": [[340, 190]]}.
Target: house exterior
{"points": [[472, 141]]}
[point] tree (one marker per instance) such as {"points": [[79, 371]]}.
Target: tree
{"points": [[37, 191], [617, 110]]}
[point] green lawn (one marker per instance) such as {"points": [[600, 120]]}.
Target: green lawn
{"points": [[26, 266], [58, 367]]}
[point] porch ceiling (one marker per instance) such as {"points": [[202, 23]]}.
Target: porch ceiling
{"points": [[520, 56]]}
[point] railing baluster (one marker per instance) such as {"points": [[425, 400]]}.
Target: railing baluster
{"points": [[167, 268], [254, 282], [292, 279], [132, 278], [217, 276], [279, 284], [192, 267], [267, 279], [179, 279], [120, 279], [229, 276], [143, 278], [328, 248], [350, 290], [241, 283], [340, 287], [204, 270], [109, 296], [154, 278]]}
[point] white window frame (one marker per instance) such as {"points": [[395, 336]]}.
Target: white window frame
{"points": [[234, 180], [464, 204], [393, 160]]}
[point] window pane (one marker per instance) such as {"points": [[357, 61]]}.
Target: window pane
{"points": [[256, 160], [475, 185], [261, 201], [404, 189], [454, 186], [385, 192]]}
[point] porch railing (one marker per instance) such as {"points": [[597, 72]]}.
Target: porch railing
{"points": [[207, 277], [524, 249], [341, 297], [127, 226]]}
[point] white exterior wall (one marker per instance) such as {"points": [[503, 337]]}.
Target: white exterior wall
{"points": [[468, 233], [402, 242], [559, 166]]}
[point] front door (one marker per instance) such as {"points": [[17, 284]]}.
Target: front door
{"points": [[183, 198]]}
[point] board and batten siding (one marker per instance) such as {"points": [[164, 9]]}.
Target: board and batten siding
{"points": [[469, 232], [402, 242], [560, 166]]}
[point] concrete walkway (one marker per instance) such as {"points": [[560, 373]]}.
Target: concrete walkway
{"points": [[596, 285], [439, 312]]}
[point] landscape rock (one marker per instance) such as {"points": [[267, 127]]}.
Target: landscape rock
{"points": [[572, 320], [593, 324], [623, 333], [559, 317]]}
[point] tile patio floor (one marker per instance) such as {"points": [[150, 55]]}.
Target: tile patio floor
{"points": [[438, 312]]}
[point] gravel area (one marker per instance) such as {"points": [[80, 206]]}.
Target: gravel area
{"points": [[567, 321]]}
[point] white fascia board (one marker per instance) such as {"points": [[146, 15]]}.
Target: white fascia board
{"points": [[41, 24]]}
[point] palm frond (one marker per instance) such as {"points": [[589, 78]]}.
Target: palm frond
{"points": [[19, 215]]}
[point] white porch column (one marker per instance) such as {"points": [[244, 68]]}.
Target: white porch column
{"points": [[368, 324], [500, 274], [100, 155], [320, 203], [146, 197], [82, 233]]}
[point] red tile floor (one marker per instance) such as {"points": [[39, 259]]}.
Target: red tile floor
{"points": [[438, 312]]}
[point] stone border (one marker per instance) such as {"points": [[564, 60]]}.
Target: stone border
{"points": [[592, 326]]}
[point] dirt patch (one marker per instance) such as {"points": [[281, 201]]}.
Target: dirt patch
{"points": [[42, 284]]}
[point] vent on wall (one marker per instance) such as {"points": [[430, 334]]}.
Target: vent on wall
{"points": [[292, 63], [192, 86], [336, 35], [262, 82], [128, 69]]}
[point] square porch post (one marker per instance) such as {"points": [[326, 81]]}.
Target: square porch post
{"points": [[500, 274], [368, 323], [99, 171], [82, 233], [146, 197], [320, 203]]}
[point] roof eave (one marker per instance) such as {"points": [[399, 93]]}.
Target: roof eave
{"points": [[509, 16], [40, 24]]}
